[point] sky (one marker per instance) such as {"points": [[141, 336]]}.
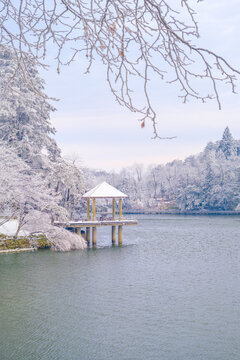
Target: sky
{"points": [[91, 125]]}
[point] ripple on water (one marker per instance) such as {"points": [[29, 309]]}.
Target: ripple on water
{"points": [[172, 292]]}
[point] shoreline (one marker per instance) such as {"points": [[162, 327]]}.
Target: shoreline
{"points": [[7, 251], [9, 244], [174, 212]]}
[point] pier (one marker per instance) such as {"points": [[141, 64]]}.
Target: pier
{"points": [[91, 223]]}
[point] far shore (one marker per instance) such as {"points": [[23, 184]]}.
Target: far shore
{"points": [[175, 212]]}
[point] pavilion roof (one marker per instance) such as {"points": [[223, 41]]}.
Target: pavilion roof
{"points": [[104, 190]]}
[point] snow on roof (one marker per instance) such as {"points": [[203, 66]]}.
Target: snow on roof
{"points": [[104, 190]]}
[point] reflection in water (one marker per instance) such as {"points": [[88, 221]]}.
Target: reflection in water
{"points": [[173, 294]]}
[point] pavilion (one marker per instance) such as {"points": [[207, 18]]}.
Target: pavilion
{"points": [[101, 191], [105, 191]]}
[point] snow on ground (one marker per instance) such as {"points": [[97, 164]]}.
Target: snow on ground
{"points": [[10, 228]]}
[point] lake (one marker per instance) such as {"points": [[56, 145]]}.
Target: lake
{"points": [[170, 293]]}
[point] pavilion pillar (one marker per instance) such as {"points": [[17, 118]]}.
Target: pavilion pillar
{"points": [[94, 209], [79, 231], [120, 235], [113, 235], [83, 234], [120, 209], [114, 218], [88, 209], [113, 209], [94, 236], [88, 235]]}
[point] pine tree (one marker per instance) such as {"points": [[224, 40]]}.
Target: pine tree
{"points": [[227, 144]]}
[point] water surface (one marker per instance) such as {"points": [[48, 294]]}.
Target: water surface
{"points": [[171, 293]]}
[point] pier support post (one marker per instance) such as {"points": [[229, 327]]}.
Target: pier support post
{"points": [[88, 235], [94, 236], [113, 235], [120, 209], [120, 235]]}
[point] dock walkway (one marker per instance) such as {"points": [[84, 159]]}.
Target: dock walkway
{"points": [[93, 223], [77, 225]]}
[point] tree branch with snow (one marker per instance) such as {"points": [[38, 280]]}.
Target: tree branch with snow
{"points": [[136, 41]]}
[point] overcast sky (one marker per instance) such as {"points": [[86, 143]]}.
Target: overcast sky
{"points": [[106, 136]]}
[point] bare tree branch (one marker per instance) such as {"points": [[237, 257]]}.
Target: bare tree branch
{"points": [[135, 40]]}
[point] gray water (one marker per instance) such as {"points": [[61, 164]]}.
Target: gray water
{"points": [[171, 292]]}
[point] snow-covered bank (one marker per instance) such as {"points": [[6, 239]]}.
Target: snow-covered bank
{"points": [[10, 228], [39, 233]]}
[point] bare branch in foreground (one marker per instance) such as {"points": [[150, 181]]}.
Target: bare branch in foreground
{"points": [[135, 40]]}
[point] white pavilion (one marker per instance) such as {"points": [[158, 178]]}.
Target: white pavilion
{"points": [[105, 191], [101, 191]]}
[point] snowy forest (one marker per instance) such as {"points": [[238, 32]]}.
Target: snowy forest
{"points": [[209, 181], [37, 183]]}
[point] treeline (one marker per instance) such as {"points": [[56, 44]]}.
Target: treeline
{"points": [[209, 181]]}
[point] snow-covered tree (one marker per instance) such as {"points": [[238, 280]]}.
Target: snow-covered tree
{"points": [[227, 144], [22, 190], [59, 238], [24, 115], [25, 128], [67, 180]]}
